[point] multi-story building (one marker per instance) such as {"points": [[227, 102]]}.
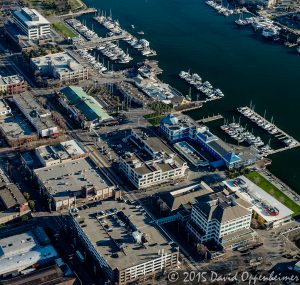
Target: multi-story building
{"points": [[152, 163], [32, 23], [40, 118], [121, 242], [67, 175], [222, 218], [12, 84], [61, 66], [183, 128]]}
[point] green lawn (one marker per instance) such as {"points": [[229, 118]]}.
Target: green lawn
{"points": [[275, 192], [64, 30], [75, 4], [154, 119]]}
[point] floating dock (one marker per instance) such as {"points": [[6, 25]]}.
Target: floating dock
{"points": [[280, 134]]}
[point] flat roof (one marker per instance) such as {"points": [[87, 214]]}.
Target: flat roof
{"points": [[61, 61], [158, 157], [111, 232], [61, 180], [62, 150], [33, 109], [87, 105], [185, 196], [253, 194], [31, 17], [15, 126], [11, 79]]}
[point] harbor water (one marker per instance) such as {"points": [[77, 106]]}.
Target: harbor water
{"points": [[191, 35]]}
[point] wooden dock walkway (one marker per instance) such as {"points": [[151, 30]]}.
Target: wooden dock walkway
{"points": [[281, 135], [210, 118], [92, 44]]}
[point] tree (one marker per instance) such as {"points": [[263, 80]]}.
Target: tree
{"points": [[26, 196], [31, 205]]}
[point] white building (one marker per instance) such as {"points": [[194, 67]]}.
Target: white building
{"points": [[271, 211], [32, 23], [25, 250], [62, 66], [153, 163], [221, 218]]}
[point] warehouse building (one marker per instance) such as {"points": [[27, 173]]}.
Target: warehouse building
{"points": [[122, 241], [152, 163], [37, 115], [61, 66], [85, 109], [25, 250]]}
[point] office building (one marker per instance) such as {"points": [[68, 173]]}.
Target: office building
{"points": [[32, 23], [40, 118], [222, 218], [152, 163], [183, 128], [61, 66], [123, 243]]}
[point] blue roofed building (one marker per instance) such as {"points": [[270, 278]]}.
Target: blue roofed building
{"points": [[83, 107], [182, 128]]}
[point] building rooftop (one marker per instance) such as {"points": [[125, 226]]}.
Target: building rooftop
{"points": [[122, 234], [64, 179], [258, 198], [185, 196], [61, 62], [10, 196], [179, 122], [12, 79], [61, 151], [15, 126], [32, 109], [220, 207], [157, 156], [30, 17], [23, 250], [87, 105]]}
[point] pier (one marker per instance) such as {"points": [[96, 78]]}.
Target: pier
{"points": [[92, 44], [280, 134], [210, 119]]}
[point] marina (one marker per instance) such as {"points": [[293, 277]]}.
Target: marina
{"points": [[196, 46], [226, 11], [270, 127], [115, 29], [205, 87]]}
